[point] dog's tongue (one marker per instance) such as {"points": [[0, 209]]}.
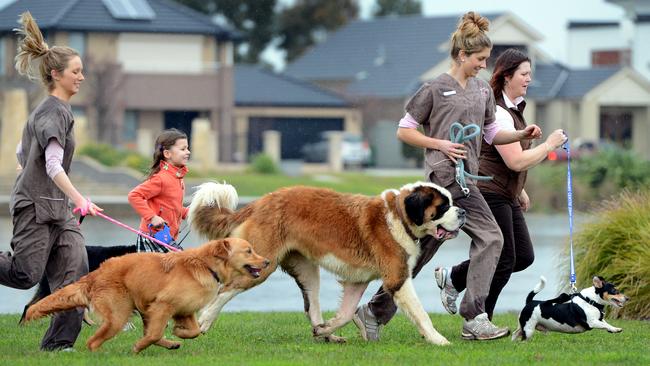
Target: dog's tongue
{"points": [[440, 232]]}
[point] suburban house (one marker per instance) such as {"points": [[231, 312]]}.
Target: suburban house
{"points": [[618, 107], [377, 64], [153, 64], [149, 65]]}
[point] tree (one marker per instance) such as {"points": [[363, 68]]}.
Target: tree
{"points": [[308, 21], [253, 18], [397, 7]]}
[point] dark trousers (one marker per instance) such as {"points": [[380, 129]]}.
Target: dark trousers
{"points": [[485, 249], [517, 253], [55, 250]]}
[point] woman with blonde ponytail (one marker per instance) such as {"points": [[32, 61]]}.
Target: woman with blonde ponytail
{"points": [[455, 96], [47, 241]]}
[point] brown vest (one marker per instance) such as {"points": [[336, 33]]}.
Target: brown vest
{"points": [[505, 181]]}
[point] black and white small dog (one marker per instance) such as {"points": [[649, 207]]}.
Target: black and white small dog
{"points": [[566, 313]]}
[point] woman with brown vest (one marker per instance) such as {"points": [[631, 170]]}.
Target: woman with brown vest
{"points": [[508, 165]]}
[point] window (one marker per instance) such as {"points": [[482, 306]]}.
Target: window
{"points": [[616, 126], [77, 40], [130, 9], [611, 57], [130, 128], [2, 57]]}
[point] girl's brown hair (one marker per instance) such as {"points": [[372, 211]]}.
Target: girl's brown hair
{"points": [[32, 47], [505, 66], [470, 35], [165, 141]]}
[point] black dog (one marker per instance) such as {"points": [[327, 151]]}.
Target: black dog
{"points": [[96, 256]]}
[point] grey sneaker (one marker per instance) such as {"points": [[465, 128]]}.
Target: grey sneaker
{"points": [[481, 328], [448, 293], [365, 320]]}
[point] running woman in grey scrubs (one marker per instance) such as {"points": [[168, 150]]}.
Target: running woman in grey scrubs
{"points": [[455, 96], [46, 237]]}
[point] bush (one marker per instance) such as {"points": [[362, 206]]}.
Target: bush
{"points": [[595, 178], [103, 153], [263, 164], [108, 155], [614, 168], [138, 162], [616, 246]]}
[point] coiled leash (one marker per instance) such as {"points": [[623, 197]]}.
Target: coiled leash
{"points": [[569, 201], [458, 134]]}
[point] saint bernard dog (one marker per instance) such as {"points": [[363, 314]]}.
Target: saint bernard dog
{"points": [[356, 237]]}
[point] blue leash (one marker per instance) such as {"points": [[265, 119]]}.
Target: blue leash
{"points": [[572, 275], [458, 134]]}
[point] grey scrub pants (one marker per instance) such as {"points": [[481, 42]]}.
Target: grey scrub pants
{"points": [[56, 250], [484, 253]]}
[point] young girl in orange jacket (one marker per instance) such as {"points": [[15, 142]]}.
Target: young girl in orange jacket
{"points": [[159, 199]]}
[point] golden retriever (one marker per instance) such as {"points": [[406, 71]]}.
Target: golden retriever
{"points": [[356, 237], [159, 286]]}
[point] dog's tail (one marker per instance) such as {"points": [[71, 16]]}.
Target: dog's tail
{"points": [[69, 297], [211, 210], [539, 287]]}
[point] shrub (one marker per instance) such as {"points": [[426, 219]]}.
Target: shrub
{"points": [[616, 246], [614, 167], [263, 164], [103, 153], [108, 155], [138, 162]]}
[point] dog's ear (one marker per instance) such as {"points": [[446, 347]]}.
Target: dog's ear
{"points": [[223, 249], [415, 204], [598, 281]]}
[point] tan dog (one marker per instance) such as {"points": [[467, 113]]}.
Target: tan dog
{"points": [[358, 238], [160, 286]]}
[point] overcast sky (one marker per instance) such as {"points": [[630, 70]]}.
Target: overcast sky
{"points": [[548, 17]]}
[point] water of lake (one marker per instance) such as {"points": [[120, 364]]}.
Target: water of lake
{"points": [[280, 293]]}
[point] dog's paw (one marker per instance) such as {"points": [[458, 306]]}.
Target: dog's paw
{"points": [[615, 330], [331, 339], [204, 326]]}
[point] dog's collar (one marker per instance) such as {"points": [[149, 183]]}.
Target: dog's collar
{"points": [[405, 225], [215, 275], [591, 302]]}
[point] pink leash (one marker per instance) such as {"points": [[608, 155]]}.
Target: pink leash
{"points": [[173, 249]]}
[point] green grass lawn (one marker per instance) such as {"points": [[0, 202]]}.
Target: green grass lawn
{"points": [[251, 184], [284, 339]]}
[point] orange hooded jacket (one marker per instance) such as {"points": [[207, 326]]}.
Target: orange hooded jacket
{"points": [[161, 195]]}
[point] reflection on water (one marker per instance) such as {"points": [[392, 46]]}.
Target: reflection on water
{"points": [[279, 292]]}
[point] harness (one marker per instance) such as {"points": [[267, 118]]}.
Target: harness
{"points": [[458, 134], [591, 302]]}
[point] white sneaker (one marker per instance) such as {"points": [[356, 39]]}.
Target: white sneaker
{"points": [[481, 328], [368, 326], [448, 294]]}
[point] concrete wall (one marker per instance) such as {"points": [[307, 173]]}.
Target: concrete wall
{"points": [[161, 53]]}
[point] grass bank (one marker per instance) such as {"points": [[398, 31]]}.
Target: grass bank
{"points": [[284, 339], [253, 184]]}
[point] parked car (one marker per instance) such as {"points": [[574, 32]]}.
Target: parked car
{"points": [[355, 151]]}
